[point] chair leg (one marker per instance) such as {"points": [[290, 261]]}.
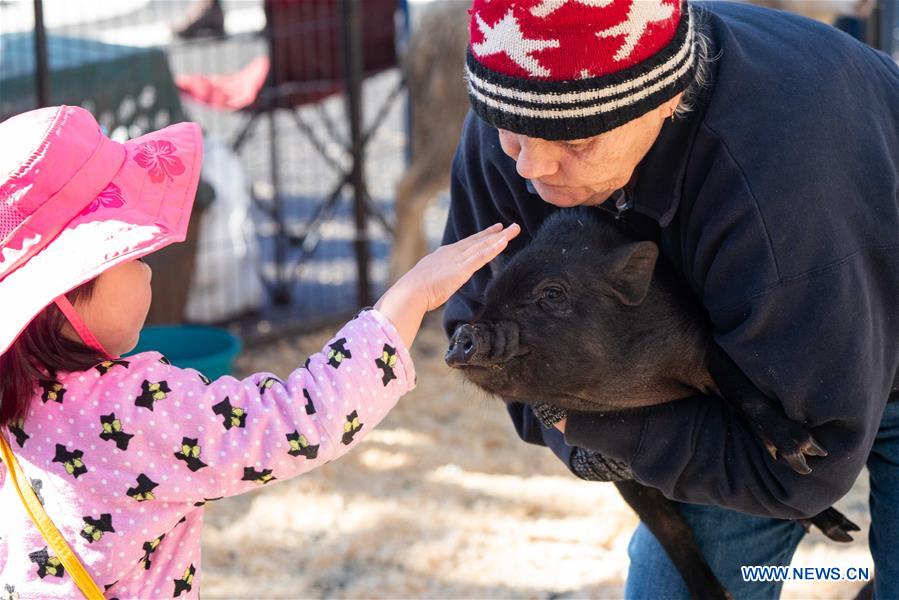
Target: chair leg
{"points": [[332, 127], [315, 141], [282, 293], [376, 212], [309, 239], [381, 115], [242, 133]]}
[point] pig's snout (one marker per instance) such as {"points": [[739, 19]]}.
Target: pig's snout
{"points": [[463, 346], [484, 345]]}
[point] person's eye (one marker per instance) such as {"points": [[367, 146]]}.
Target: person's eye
{"points": [[577, 145]]}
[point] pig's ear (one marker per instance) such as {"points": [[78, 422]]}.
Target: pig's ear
{"points": [[631, 271]]}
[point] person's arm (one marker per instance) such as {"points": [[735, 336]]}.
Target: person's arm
{"points": [[196, 440], [201, 439], [822, 343]]}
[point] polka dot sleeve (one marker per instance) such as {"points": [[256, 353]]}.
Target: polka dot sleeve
{"points": [[193, 440]]}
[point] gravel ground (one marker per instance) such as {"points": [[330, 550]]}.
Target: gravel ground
{"points": [[443, 501]]}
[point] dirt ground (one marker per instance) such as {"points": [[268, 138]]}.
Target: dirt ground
{"points": [[443, 501]]}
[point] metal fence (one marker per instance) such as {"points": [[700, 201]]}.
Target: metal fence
{"points": [[302, 109]]}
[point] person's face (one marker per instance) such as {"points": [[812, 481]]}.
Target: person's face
{"points": [[117, 309], [586, 171]]}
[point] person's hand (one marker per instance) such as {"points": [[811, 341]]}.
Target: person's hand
{"points": [[438, 275]]}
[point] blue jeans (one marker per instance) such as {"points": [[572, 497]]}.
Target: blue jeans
{"points": [[730, 539]]}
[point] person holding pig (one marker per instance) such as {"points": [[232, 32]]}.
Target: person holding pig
{"points": [[760, 150]]}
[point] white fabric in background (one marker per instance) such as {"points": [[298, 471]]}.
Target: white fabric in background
{"points": [[225, 281]]}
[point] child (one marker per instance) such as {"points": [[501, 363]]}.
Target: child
{"points": [[124, 453]]}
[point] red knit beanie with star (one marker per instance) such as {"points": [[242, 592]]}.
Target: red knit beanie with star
{"points": [[570, 69]]}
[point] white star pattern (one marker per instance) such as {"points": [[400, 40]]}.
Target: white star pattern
{"points": [[547, 7], [641, 14], [505, 37]]}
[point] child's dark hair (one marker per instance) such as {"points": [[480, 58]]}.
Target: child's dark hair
{"points": [[39, 352]]}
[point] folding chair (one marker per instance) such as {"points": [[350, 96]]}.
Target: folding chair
{"points": [[306, 63]]}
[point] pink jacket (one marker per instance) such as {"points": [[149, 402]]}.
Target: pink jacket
{"points": [[125, 455]]}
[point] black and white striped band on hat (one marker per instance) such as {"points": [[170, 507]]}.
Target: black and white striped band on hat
{"points": [[580, 108]]}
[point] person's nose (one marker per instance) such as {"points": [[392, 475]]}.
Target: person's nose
{"points": [[533, 158]]}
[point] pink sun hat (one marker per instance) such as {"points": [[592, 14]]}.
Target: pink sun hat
{"points": [[74, 203]]}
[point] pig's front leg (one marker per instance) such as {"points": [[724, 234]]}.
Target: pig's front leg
{"points": [[778, 433]]}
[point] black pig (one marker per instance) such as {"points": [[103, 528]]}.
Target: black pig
{"points": [[584, 318]]}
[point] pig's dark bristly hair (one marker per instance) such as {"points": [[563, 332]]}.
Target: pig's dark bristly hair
{"points": [[39, 352], [559, 224], [557, 232]]}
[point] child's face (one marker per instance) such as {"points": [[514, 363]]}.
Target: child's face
{"points": [[116, 310]]}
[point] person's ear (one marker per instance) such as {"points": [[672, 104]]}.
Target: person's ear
{"points": [[670, 106], [630, 271]]}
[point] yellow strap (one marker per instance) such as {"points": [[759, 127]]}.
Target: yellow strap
{"points": [[51, 534]]}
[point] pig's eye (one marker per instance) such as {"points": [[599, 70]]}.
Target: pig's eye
{"points": [[553, 299], [551, 293]]}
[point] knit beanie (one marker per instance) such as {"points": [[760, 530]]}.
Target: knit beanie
{"points": [[571, 69]]}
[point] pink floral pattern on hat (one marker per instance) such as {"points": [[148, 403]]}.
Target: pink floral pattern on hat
{"points": [[158, 157], [111, 197]]}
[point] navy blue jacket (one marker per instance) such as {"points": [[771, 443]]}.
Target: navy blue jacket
{"points": [[777, 202]]}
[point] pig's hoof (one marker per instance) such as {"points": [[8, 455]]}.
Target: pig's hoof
{"points": [[792, 443], [795, 457], [833, 524]]}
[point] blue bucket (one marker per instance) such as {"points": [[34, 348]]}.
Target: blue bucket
{"points": [[209, 350]]}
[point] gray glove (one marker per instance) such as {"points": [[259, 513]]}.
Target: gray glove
{"points": [[593, 466], [549, 415], [586, 464]]}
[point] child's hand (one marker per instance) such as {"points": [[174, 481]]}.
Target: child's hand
{"points": [[438, 275]]}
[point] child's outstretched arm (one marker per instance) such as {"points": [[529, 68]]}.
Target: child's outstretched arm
{"points": [[173, 437]]}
